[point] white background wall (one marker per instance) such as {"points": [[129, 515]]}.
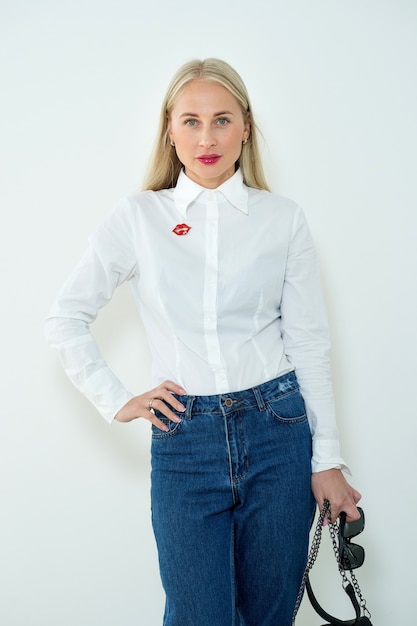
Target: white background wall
{"points": [[333, 85]]}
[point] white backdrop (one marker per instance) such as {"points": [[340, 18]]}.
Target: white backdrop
{"points": [[333, 86]]}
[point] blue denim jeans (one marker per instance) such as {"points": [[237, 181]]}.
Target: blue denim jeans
{"points": [[232, 506]]}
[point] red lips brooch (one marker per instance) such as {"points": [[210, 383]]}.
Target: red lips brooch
{"points": [[181, 229]]}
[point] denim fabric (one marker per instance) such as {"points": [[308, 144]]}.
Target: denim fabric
{"points": [[232, 506]]}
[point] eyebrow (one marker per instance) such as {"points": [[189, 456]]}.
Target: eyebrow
{"points": [[215, 115]]}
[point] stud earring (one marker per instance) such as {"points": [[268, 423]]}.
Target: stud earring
{"points": [[245, 141], [172, 144]]}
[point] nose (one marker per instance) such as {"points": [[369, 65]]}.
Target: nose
{"points": [[207, 138]]}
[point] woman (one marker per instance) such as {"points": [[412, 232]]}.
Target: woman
{"points": [[225, 279]]}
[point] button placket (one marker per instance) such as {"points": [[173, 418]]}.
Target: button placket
{"points": [[210, 292]]}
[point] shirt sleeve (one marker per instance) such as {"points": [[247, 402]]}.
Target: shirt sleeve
{"points": [[306, 340], [109, 261]]}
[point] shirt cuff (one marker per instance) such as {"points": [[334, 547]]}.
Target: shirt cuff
{"points": [[326, 455]]}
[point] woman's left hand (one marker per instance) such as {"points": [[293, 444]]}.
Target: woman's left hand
{"points": [[331, 485]]}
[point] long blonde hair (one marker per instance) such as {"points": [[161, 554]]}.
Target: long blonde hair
{"points": [[164, 166]]}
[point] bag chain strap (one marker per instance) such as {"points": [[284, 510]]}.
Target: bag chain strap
{"points": [[312, 556], [333, 529]]}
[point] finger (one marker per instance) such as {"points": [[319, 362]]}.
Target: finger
{"points": [[162, 399], [159, 405], [352, 514], [336, 509], [157, 422], [150, 416], [351, 510], [166, 397], [153, 418], [334, 514]]}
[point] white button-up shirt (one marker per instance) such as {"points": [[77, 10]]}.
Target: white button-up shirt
{"points": [[233, 303]]}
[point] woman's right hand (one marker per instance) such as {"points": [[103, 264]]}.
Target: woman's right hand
{"points": [[160, 398]]}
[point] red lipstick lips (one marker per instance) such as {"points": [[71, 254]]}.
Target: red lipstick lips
{"points": [[208, 159]]}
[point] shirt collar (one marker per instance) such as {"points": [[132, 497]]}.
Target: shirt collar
{"points": [[233, 189]]}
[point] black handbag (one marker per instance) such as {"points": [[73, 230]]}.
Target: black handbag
{"points": [[349, 556]]}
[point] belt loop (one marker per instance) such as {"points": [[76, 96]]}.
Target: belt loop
{"points": [[189, 407], [259, 399]]}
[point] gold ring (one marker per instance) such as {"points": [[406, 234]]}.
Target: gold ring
{"points": [[150, 403]]}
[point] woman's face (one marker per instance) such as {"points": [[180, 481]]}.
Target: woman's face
{"points": [[207, 127]]}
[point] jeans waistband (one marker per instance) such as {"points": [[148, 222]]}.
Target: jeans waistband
{"points": [[234, 400]]}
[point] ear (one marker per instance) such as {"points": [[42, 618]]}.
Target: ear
{"points": [[169, 130], [247, 129]]}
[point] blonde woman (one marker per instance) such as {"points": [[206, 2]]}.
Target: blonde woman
{"points": [[225, 279]]}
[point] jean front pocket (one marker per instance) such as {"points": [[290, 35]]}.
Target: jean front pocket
{"points": [[288, 408], [173, 427]]}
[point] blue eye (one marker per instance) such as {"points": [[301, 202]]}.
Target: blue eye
{"points": [[190, 122], [222, 121]]}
